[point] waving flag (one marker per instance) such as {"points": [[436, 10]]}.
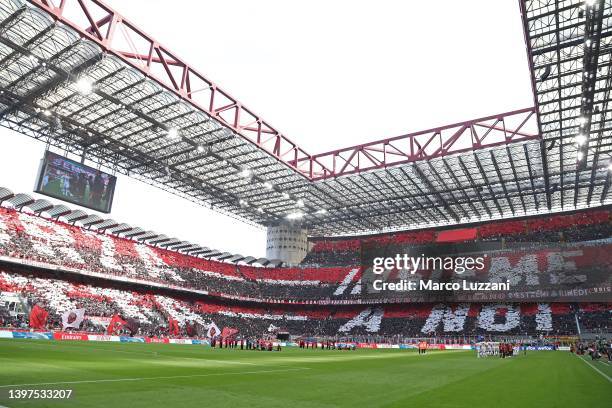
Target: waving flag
{"points": [[213, 330], [38, 317], [132, 325], [228, 332], [72, 318], [173, 327], [115, 324], [191, 329]]}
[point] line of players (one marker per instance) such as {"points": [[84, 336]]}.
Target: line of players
{"points": [[264, 344], [502, 350], [244, 344], [326, 345]]}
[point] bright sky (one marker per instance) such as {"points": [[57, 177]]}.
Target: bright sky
{"points": [[328, 74]]}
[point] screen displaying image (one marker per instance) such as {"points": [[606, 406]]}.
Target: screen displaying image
{"points": [[76, 183]]}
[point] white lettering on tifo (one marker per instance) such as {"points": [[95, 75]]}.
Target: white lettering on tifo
{"points": [[370, 319]]}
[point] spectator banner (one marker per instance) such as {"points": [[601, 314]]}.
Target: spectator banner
{"points": [[457, 235], [173, 327], [229, 332], [213, 330], [72, 318], [116, 323], [38, 317], [99, 320]]}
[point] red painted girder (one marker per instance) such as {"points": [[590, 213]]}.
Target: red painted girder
{"points": [[116, 35], [98, 22], [442, 141]]}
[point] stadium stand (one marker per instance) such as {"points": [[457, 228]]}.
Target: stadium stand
{"points": [[70, 267], [35, 238], [153, 311], [582, 226]]}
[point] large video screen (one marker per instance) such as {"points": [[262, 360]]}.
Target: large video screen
{"points": [[75, 182]]}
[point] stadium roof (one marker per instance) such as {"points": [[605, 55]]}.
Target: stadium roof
{"points": [[82, 78], [569, 48]]}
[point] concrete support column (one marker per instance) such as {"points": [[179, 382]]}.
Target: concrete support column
{"points": [[287, 243]]}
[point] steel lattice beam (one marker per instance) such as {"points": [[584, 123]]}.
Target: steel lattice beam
{"points": [[477, 134], [98, 22]]}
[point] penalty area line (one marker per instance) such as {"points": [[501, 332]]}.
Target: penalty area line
{"points": [[596, 369], [156, 378]]}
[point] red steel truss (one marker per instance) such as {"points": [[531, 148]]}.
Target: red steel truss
{"points": [[461, 137], [117, 36]]}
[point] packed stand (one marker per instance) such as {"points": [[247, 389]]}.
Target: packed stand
{"points": [[33, 238], [578, 227], [152, 314]]}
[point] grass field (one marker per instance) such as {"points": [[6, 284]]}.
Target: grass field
{"points": [[161, 375]]}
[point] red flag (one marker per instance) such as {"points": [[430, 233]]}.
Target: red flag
{"points": [[115, 324], [228, 332], [38, 317], [173, 327], [190, 329]]}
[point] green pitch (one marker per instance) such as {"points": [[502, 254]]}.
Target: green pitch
{"points": [[156, 375], [53, 188]]}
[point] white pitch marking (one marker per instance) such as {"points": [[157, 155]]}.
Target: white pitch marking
{"points": [[596, 369], [155, 378]]}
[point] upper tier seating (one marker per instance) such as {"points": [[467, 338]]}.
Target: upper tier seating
{"points": [[586, 225], [56, 244]]}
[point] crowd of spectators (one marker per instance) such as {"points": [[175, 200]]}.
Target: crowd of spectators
{"points": [[35, 238], [578, 227], [152, 313], [594, 317]]}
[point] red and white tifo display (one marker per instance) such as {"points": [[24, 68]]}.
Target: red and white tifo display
{"points": [[154, 314], [56, 270], [33, 238], [26, 238]]}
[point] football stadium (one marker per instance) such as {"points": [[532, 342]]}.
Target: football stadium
{"points": [[465, 265]]}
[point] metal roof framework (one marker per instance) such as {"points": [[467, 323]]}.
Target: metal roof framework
{"points": [[569, 46], [86, 81]]}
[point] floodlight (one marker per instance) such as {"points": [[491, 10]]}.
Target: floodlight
{"points": [[84, 86]]}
